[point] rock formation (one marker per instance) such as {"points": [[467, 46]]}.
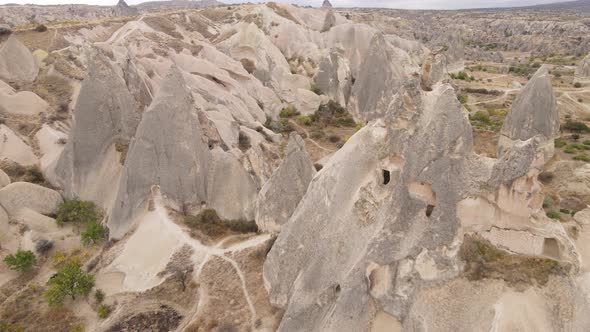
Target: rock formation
{"points": [[106, 117], [155, 158], [533, 114], [289, 182], [327, 4], [122, 9], [582, 73], [23, 195], [334, 77], [434, 70], [16, 62], [13, 148]]}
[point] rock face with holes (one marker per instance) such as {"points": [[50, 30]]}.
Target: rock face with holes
{"points": [[279, 197], [379, 226], [533, 114], [16, 62]]}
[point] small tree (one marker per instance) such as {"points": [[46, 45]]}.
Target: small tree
{"points": [[182, 274], [93, 233], [70, 280], [21, 261], [76, 210]]}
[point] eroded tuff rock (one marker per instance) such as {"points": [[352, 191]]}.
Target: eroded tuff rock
{"points": [[533, 114], [582, 73], [16, 62], [13, 148], [281, 194], [334, 77], [156, 158], [105, 119], [434, 70], [19, 195], [380, 225], [326, 4]]}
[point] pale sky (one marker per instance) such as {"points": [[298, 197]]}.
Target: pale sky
{"points": [[406, 4]]}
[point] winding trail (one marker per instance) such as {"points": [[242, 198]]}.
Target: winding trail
{"points": [[308, 137]]}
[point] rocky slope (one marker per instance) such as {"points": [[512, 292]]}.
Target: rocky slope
{"points": [[272, 167]]}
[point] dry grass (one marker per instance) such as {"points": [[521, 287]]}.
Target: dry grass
{"points": [[485, 261]]}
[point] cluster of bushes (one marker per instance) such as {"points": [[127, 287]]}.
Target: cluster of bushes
{"points": [[82, 213], [69, 281], [575, 126], [331, 114], [524, 70], [462, 76], [488, 120], [574, 148], [210, 224]]}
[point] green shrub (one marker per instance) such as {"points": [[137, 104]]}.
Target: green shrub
{"points": [[565, 211], [104, 311], [21, 261], [554, 215], [288, 112], [304, 120], [582, 158], [70, 281], [78, 211], [94, 232], [40, 28], [577, 85], [559, 143], [547, 202], [317, 133], [463, 99], [334, 114], [99, 296], [575, 126], [570, 149], [481, 116], [586, 142]]}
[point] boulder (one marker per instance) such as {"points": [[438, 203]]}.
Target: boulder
{"points": [[306, 101], [22, 103], [533, 114], [156, 158], [14, 149], [4, 179], [19, 195], [16, 62], [281, 194], [35, 221]]}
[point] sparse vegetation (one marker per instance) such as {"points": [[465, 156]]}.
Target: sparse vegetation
{"points": [[315, 89], [41, 28], [210, 224], [21, 261], [553, 215], [576, 126], [70, 281], [462, 76], [288, 112], [104, 311], [485, 261], [577, 85], [43, 246], [332, 114], [99, 296]]}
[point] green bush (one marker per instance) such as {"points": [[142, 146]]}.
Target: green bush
{"points": [[586, 142], [576, 126], [582, 158], [304, 120], [463, 99], [76, 210], [40, 28], [570, 149], [94, 232], [554, 215], [333, 114], [70, 281], [481, 116], [577, 85], [288, 112], [99, 296], [104, 311], [21, 261], [559, 143]]}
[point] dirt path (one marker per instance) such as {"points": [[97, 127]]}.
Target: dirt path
{"points": [[314, 142]]}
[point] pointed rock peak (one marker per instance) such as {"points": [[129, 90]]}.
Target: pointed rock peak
{"points": [[534, 113], [122, 3], [327, 4]]}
